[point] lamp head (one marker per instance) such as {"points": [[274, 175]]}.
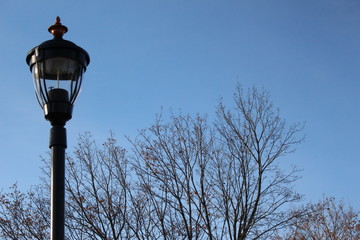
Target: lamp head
{"points": [[57, 67]]}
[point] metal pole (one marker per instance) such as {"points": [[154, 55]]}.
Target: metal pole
{"points": [[58, 146]]}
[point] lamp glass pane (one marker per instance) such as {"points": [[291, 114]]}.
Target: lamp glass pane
{"points": [[60, 68], [59, 72]]}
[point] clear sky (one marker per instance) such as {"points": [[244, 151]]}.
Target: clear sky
{"points": [[148, 54]]}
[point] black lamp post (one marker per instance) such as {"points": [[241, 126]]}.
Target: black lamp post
{"points": [[57, 66]]}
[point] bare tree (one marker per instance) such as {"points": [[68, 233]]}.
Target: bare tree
{"points": [[251, 189], [171, 161], [96, 197], [97, 191], [220, 182], [186, 178], [327, 219], [24, 216]]}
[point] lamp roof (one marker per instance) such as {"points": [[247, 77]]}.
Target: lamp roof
{"points": [[60, 47]]}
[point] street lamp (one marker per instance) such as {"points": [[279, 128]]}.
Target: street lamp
{"points": [[57, 67]]}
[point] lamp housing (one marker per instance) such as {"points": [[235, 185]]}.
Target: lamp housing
{"points": [[57, 67]]}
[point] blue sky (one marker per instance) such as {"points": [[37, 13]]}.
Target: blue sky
{"points": [[153, 54]]}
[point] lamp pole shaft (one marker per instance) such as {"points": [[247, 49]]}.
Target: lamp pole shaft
{"points": [[58, 146]]}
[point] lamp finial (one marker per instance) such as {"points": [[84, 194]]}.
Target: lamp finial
{"points": [[58, 30]]}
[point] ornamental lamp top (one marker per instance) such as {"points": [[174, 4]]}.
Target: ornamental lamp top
{"points": [[57, 30]]}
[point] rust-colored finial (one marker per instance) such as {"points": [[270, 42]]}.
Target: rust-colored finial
{"points": [[58, 30]]}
